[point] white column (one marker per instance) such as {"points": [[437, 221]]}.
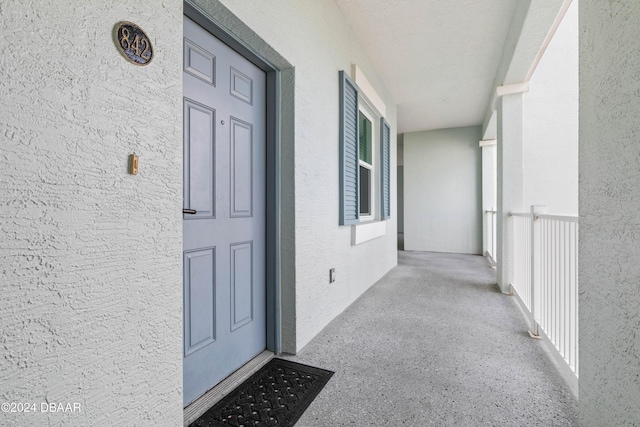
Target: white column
{"points": [[489, 147], [510, 176]]}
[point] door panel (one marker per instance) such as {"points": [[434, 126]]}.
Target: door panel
{"points": [[199, 314], [199, 159], [224, 201], [241, 284], [199, 63], [241, 86], [241, 169]]}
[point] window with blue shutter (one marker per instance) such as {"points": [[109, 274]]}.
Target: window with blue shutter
{"points": [[385, 184], [365, 156], [349, 147]]}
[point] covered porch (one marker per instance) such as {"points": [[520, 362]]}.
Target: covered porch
{"points": [[435, 342]]}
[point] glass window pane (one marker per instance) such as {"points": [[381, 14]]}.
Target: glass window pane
{"points": [[365, 139], [365, 191]]}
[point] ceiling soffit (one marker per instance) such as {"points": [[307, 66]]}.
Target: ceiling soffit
{"points": [[442, 60]]}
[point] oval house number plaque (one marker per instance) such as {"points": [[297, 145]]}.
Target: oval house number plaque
{"points": [[133, 43]]}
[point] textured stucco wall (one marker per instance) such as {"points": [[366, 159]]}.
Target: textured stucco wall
{"points": [[609, 201], [550, 158], [314, 37], [90, 266], [443, 190]]}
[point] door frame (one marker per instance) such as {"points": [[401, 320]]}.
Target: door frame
{"points": [[273, 215]]}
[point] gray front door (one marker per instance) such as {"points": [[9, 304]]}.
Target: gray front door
{"points": [[224, 210]]}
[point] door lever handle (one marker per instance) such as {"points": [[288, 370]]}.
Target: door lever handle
{"points": [[189, 211]]}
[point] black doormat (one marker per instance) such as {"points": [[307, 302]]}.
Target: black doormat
{"points": [[276, 395]]}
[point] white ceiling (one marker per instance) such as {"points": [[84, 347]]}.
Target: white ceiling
{"points": [[438, 58]]}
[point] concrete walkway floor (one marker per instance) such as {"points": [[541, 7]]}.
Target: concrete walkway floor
{"points": [[434, 343]]}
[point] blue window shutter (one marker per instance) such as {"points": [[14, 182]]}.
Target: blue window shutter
{"points": [[349, 156], [385, 169]]}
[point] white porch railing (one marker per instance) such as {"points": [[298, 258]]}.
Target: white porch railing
{"points": [[490, 217], [546, 278]]}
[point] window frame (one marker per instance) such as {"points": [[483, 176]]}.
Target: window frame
{"points": [[369, 113]]}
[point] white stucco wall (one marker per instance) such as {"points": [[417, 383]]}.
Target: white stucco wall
{"points": [[443, 190], [489, 193], [314, 37], [550, 151], [609, 214], [90, 271]]}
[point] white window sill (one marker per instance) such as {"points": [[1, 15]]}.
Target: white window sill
{"points": [[364, 232]]}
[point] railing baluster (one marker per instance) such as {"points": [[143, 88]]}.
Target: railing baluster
{"points": [[565, 287], [543, 273], [561, 288], [565, 290], [550, 279], [556, 279], [570, 285], [577, 315], [549, 271], [546, 276]]}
